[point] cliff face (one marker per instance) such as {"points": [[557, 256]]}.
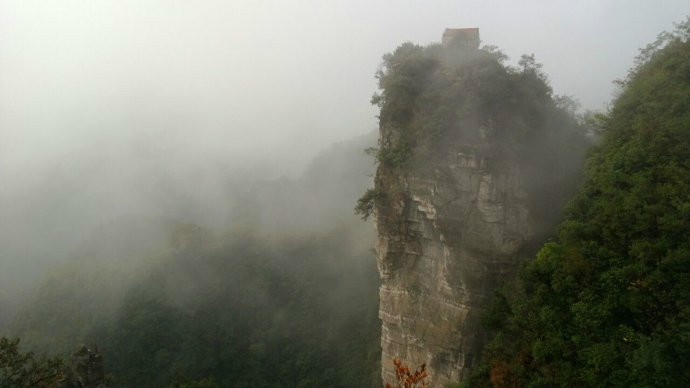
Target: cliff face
{"points": [[445, 237], [475, 162]]}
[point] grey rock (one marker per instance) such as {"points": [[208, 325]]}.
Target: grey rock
{"points": [[447, 236]]}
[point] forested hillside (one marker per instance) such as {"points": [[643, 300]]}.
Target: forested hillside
{"points": [[287, 297], [606, 304], [250, 312]]}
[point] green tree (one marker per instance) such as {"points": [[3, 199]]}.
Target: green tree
{"points": [[606, 303], [23, 369]]}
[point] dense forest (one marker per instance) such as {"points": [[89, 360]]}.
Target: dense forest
{"points": [[292, 303], [605, 304], [251, 313]]}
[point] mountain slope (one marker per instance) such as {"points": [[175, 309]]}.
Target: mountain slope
{"points": [[606, 303], [286, 297]]}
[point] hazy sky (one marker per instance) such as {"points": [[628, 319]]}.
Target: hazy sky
{"points": [[273, 80]]}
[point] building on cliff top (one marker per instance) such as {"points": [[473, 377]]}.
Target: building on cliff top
{"points": [[461, 37]]}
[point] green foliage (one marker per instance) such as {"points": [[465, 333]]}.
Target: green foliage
{"points": [[203, 383], [429, 94], [365, 204], [606, 304], [244, 311], [23, 369], [252, 313], [295, 305]]}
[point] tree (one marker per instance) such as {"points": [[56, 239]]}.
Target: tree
{"points": [[24, 369]]}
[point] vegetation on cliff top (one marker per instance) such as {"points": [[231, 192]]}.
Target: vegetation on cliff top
{"points": [[606, 303], [440, 96]]}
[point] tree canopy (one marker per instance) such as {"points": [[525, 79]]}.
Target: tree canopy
{"points": [[24, 369], [606, 303]]}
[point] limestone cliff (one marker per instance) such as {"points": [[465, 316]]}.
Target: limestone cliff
{"points": [[441, 248], [455, 195]]}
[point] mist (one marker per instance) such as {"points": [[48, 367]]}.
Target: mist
{"points": [[123, 121]]}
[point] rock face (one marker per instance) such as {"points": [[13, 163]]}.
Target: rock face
{"points": [[475, 161], [447, 234]]}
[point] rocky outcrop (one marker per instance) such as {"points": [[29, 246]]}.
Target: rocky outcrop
{"points": [[447, 234], [476, 160], [84, 370]]}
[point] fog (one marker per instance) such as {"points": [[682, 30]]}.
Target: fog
{"points": [[145, 110]]}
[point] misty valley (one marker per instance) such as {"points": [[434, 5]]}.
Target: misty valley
{"points": [[237, 221], [293, 290]]}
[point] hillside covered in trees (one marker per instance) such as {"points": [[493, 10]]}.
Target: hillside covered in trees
{"points": [[605, 304], [286, 298]]}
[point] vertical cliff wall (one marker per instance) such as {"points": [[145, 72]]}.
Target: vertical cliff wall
{"points": [[443, 243], [463, 141]]}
